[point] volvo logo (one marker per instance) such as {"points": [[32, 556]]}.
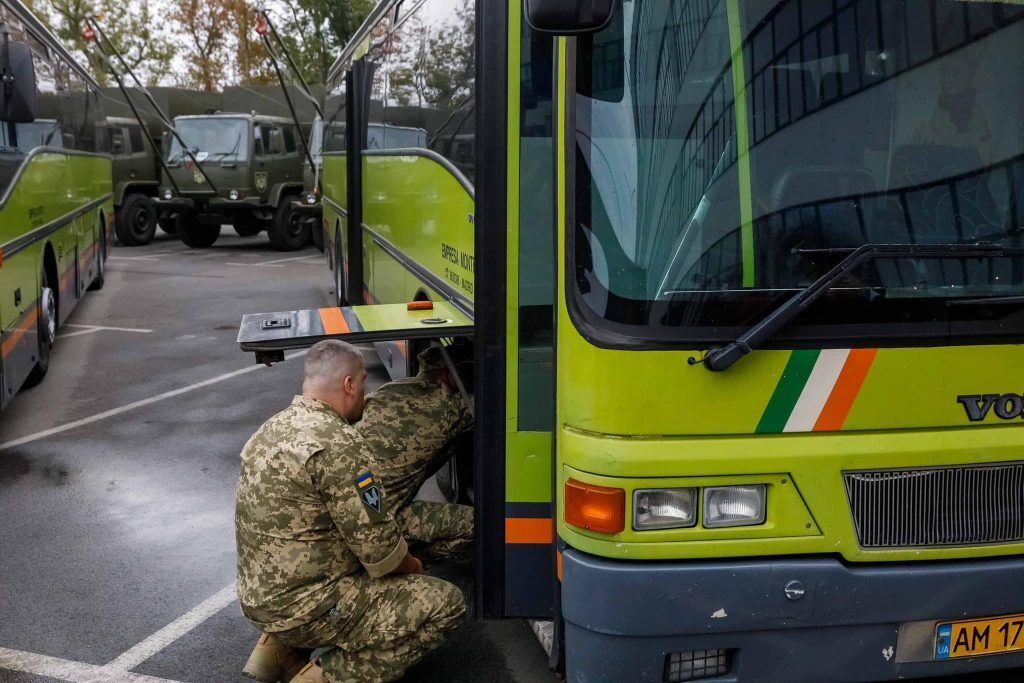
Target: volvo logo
{"points": [[978, 406]]}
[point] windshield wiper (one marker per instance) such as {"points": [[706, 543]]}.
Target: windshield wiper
{"points": [[723, 357]]}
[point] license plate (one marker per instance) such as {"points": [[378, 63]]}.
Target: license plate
{"points": [[976, 637]]}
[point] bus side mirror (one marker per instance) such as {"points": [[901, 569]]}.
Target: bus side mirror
{"points": [[568, 17], [17, 83]]}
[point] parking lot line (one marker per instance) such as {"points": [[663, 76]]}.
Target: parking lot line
{"points": [[67, 670], [135, 404], [173, 631], [109, 327], [261, 265]]}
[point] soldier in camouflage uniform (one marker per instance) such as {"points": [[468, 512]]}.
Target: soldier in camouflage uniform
{"points": [[407, 423], [322, 561]]}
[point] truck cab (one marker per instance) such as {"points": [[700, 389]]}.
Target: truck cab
{"points": [[135, 179], [243, 169]]}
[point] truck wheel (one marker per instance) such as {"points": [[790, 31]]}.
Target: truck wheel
{"points": [[195, 234], [135, 224], [168, 224], [47, 331], [289, 231], [246, 224]]}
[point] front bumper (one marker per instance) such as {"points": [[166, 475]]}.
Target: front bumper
{"points": [[209, 203], [622, 618]]}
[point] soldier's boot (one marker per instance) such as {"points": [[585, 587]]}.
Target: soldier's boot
{"points": [[311, 673], [272, 661]]}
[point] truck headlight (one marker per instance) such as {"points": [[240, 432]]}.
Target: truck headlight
{"points": [[734, 505], [233, 195], [664, 508], [168, 194]]}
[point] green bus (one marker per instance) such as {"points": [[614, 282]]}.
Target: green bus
{"points": [[744, 284], [56, 204]]}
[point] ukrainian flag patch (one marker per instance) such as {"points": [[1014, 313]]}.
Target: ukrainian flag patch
{"points": [[365, 479]]}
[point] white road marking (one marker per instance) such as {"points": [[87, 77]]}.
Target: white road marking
{"points": [[260, 265], [108, 327], [132, 258], [292, 258], [65, 335], [174, 630], [135, 404], [67, 670]]}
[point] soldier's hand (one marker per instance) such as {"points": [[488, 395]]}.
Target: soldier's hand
{"points": [[410, 565]]}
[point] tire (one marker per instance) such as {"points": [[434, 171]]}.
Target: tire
{"points": [[168, 224], [101, 268], [288, 231], [135, 223], [47, 331], [194, 234], [246, 224], [339, 272]]}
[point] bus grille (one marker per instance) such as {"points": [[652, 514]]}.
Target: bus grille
{"points": [[940, 506]]}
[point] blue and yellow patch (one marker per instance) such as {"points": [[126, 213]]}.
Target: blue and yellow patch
{"points": [[370, 495], [364, 479]]}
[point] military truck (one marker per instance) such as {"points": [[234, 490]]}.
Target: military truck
{"points": [[136, 169], [247, 172]]}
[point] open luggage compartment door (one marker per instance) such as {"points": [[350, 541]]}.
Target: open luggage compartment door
{"points": [[269, 335]]}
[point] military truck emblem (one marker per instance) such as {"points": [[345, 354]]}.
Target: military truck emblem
{"points": [[261, 181], [197, 175]]}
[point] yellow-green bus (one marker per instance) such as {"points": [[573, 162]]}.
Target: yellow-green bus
{"points": [[56, 206], [746, 309]]}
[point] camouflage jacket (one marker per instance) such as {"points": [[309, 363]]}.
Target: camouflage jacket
{"points": [[309, 518], [406, 423]]}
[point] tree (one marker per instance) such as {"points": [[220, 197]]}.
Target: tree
{"points": [[131, 27], [315, 30], [251, 58], [207, 28]]}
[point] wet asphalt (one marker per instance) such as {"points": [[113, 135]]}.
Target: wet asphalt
{"points": [[113, 529]]}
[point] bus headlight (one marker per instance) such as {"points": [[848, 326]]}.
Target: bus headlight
{"points": [[664, 508], [734, 506]]}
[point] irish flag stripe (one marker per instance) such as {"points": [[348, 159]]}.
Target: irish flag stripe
{"points": [[780, 405], [816, 391], [855, 371]]}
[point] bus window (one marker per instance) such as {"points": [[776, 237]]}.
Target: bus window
{"points": [[422, 92], [704, 186]]}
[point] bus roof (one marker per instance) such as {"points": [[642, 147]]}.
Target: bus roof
{"points": [[37, 27], [359, 37]]}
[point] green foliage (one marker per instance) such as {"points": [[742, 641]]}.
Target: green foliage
{"points": [[315, 30], [129, 25]]}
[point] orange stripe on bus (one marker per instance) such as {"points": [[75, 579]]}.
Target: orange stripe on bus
{"points": [[558, 565], [528, 530], [20, 331], [844, 393], [333, 321]]}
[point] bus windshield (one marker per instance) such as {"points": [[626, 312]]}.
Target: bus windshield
{"points": [[728, 153], [216, 138]]}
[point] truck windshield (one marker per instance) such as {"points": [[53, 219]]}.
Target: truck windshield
{"points": [[215, 138], [728, 153]]}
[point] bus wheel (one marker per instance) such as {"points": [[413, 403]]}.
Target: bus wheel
{"points": [[289, 231], [168, 224], [339, 274], [135, 224], [101, 266], [246, 224], [46, 325], [195, 234]]}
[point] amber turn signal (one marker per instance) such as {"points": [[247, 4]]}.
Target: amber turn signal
{"points": [[420, 306], [596, 508]]}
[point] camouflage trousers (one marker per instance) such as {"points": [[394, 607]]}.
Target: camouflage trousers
{"points": [[406, 617], [407, 424]]}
